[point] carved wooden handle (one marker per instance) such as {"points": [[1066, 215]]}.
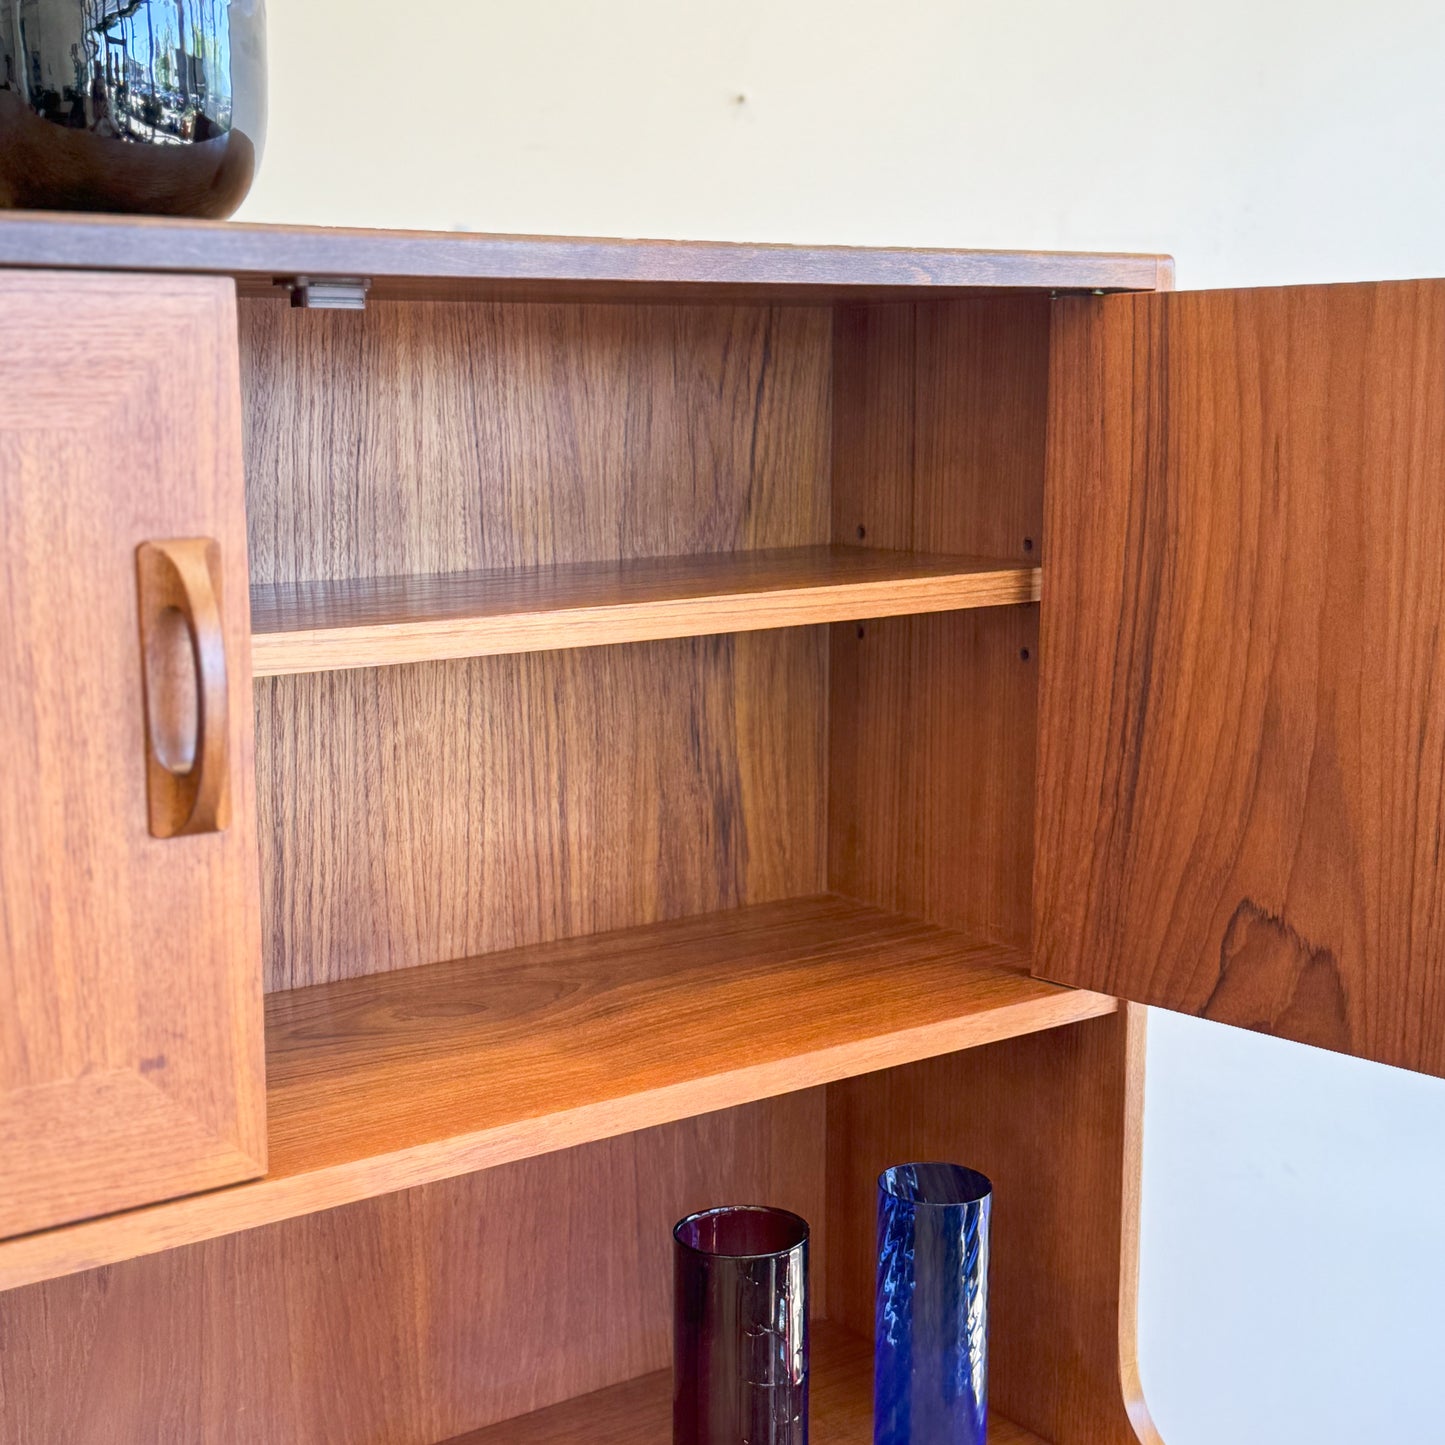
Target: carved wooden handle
{"points": [[183, 645]]}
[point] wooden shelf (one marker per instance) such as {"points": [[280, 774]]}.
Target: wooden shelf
{"points": [[326, 626], [381, 1083], [639, 1412], [449, 264]]}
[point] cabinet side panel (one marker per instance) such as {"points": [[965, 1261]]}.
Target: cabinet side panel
{"points": [[931, 767], [438, 437], [1243, 730], [407, 1319], [938, 445], [1053, 1119], [130, 1008], [415, 814]]}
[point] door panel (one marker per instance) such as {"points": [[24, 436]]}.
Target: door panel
{"points": [[130, 1003], [1242, 755]]}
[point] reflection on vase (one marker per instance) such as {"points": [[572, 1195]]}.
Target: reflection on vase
{"points": [[930, 1369], [154, 106], [740, 1328]]}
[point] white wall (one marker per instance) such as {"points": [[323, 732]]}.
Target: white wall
{"points": [[1293, 1248]]}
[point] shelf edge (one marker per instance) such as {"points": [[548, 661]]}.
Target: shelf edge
{"points": [[326, 649], [156, 1228]]}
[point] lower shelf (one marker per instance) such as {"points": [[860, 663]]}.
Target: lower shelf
{"points": [[383, 1083], [639, 1412]]}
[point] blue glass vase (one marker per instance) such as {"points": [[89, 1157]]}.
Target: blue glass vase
{"points": [[930, 1369]]}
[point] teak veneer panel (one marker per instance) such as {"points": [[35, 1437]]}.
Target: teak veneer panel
{"points": [[406, 1319], [1243, 727], [938, 445], [939, 417], [931, 767], [325, 626], [382, 1083], [639, 1412], [414, 814], [130, 1005], [450, 438], [448, 263]]}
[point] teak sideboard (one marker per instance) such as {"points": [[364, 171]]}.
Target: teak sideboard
{"points": [[505, 741]]}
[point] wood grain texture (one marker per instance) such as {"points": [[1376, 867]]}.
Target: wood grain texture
{"points": [[931, 770], [1054, 1120], [447, 438], [639, 1412], [130, 1031], [1243, 739], [408, 1319], [383, 1083], [445, 264], [939, 415], [327, 626], [414, 814], [938, 426]]}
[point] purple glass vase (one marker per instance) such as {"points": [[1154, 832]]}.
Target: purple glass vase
{"points": [[740, 1328]]}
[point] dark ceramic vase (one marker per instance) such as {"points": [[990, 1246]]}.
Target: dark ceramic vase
{"points": [[150, 106]]}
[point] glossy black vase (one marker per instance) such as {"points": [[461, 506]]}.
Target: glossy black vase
{"points": [[740, 1328], [150, 106]]}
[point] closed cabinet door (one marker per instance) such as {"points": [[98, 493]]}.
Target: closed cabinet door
{"points": [[131, 1050], [1242, 763]]}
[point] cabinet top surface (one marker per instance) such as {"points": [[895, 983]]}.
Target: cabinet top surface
{"points": [[444, 264]]}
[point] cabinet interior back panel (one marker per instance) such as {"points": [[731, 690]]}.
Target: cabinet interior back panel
{"points": [[446, 436], [435, 811]]}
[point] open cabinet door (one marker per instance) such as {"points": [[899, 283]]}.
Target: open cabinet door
{"points": [[1242, 754]]}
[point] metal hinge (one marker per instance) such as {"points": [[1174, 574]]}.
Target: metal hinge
{"points": [[327, 293]]}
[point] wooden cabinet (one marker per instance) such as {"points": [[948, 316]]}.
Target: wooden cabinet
{"points": [[667, 788], [130, 1002]]}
